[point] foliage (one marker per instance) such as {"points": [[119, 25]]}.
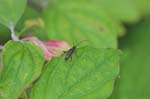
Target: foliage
{"points": [[21, 66], [75, 80], [45, 29], [10, 12], [134, 76]]}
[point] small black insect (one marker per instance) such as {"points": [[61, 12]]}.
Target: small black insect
{"points": [[71, 51]]}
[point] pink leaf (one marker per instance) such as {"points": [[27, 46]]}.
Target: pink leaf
{"points": [[50, 48]]}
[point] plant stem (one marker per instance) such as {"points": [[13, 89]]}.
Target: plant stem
{"points": [[13, 36]]}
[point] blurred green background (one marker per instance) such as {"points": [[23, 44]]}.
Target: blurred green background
{"points": [[134, 81]]}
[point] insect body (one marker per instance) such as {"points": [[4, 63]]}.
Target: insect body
{"points": [[71, 51]]}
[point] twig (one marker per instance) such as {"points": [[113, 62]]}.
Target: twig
{"points": [[13, 36]]}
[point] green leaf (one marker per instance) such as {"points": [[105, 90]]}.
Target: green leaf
{"points": [[89, 75], [76, 20], [11, 11], [4, 34], [29, 13], [134, 82], [123, 10], [22, 63]]}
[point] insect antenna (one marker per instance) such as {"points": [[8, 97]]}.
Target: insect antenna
{"points": [[80, 42]]}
